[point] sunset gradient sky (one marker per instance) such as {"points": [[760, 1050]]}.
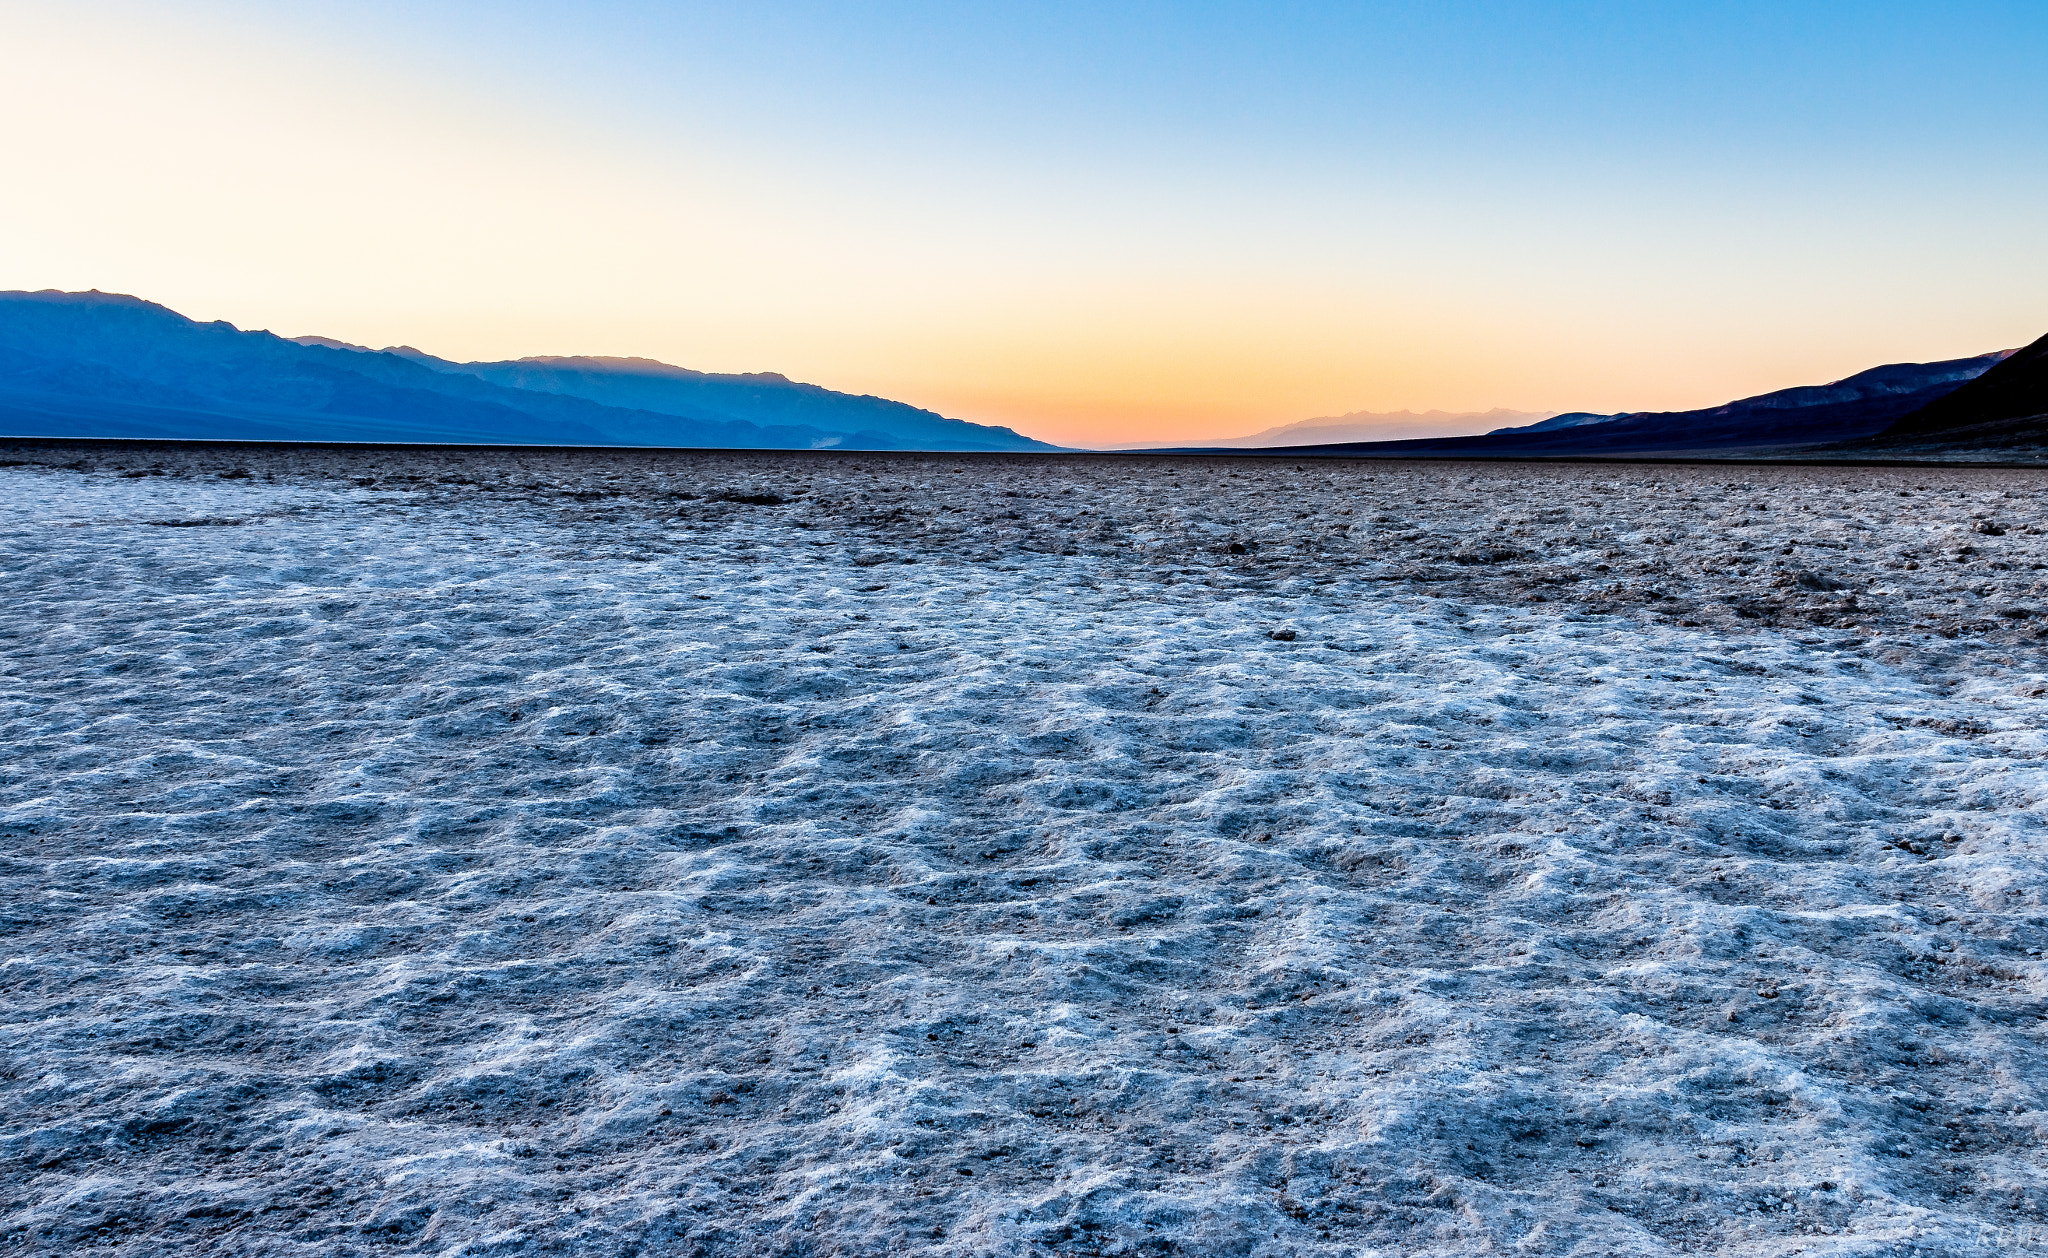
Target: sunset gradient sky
{"points": [[1093, 223]]}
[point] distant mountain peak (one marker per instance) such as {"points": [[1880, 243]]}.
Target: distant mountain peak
{"points": [[610, 362], [90, 297], [400, 351], [645, 367]]}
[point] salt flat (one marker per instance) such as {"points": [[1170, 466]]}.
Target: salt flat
{"points": [[668, 853]]}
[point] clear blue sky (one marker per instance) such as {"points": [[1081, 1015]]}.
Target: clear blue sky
{"points": [[1093, 222]]}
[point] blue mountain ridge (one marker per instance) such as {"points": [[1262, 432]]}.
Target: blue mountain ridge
{"points": [[644, 384], [107, 365]]}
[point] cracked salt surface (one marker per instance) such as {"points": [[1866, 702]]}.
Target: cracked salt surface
{"points": [[544, 855]]}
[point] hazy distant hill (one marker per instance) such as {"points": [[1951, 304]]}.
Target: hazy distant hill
{"points": [[1854, 407], [2007, 405], [1364, 426], [106, 365]]}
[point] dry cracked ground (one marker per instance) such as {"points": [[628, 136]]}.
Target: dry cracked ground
{"points": [[615, 852]]}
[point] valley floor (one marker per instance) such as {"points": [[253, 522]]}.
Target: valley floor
{"points": [[608, 852]]}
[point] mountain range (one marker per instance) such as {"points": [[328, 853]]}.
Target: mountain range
{"points": [[2005, 407], [1854, 408], [106, 365]]}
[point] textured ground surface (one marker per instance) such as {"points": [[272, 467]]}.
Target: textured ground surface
{"points": [[526, 854]]}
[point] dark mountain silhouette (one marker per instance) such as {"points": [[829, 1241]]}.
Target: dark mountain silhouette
{"points": [[2007, 405], [1570, 419], [105, 365], [1857, 406]]}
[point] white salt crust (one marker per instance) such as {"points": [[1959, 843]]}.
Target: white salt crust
{"points": [[465, 866]]}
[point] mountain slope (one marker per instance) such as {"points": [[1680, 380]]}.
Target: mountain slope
{"points": [[96, 364], [758, 398], [106, 365], [1570, 419], [2006, 405], [1854, 407]]}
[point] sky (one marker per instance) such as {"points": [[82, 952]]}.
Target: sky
{"points": [[1094, 223]]}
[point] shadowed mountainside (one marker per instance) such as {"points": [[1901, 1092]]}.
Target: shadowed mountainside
{"points": [[2006, 406], [107, 365]]}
